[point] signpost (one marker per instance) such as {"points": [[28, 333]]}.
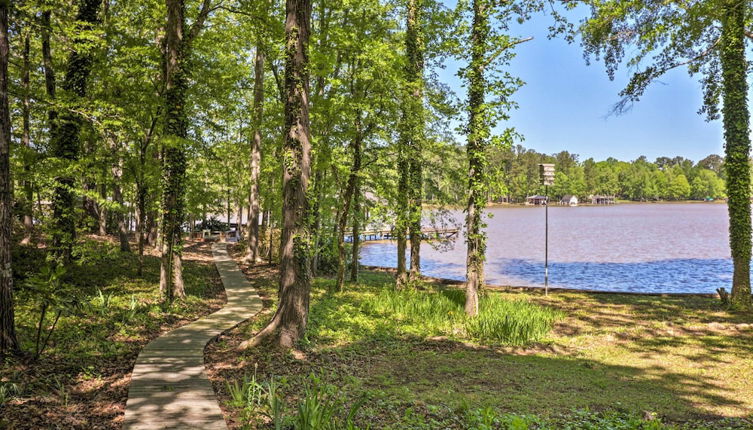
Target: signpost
{"points": [[546, 173]]}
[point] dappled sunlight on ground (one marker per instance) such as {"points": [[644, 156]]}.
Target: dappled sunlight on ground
{"points": [[681, 357]]}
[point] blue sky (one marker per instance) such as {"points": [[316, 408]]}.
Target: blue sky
{"points": [[565, 105]]}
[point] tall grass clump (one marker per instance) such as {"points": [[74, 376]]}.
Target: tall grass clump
{"points": [[435, 312], [511, 322]]}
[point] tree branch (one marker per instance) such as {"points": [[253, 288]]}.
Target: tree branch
{"points": [[505, 48]]}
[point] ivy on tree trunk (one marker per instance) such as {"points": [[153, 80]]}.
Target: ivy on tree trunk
{"points": [[477, 130], [736, 121], [289, 322], [65, 137], [410, 153]]}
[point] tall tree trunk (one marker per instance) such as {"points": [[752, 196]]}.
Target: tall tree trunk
{"points": [[253, 200], [415, 130], [356, 232], [476, 148], [28, 200], [355, 169], [289, 323], [8, 341], [141, 193], [174, 159], [66, 139], [736, 120], [177, 49], [410, 185]]}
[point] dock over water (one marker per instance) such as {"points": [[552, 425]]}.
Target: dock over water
{"points": [[426, 234]]}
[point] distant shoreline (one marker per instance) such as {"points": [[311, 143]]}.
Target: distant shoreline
{"points": [[619, 202]]}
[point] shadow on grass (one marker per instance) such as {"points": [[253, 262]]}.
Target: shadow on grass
{"points": [[437, 378]]}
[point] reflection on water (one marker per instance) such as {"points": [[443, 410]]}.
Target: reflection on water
{"points": [[658, 248]]}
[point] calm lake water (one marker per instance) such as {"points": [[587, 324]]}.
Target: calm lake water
{"points": [[657, 248]]}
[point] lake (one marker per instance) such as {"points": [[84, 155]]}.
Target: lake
{"points": [[653, 248]]}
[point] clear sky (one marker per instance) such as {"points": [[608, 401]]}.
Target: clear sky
{"points": [[565, 105]]}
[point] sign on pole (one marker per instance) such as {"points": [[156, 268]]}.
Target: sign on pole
{"points": [[546, 173]]}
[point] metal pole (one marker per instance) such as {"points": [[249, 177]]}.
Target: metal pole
{"points": [[546, 241]]}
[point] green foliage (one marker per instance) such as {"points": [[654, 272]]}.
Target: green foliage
{"points": [[638, 180], [321, 408], [510, 322], [441, 313], [8, 390], [245, 393], [48, 293]]}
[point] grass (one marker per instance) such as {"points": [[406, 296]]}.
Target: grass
{"points": [[511, 322], [81, 379], [609, 362]]}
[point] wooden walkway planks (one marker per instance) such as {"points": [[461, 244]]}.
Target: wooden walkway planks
{"points": [[426, 234], [169, 388]]}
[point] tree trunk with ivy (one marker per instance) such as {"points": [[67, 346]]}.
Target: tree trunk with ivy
{"points": [[177, 49], [65, 138], [736, 121], [477, 131], [253, 214], [289, 322], [174, 156], [411, 141]]}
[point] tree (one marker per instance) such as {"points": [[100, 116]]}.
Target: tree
{"points": [[709, 38], [255, 161], [713, 162], [8, 341], [488, 50], [65, 134], [410, 188], [707, 185], [289, 322], [177, 50]]}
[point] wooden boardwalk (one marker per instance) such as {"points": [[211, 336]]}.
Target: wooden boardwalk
{"points": [[426, 234], [169, 388]]}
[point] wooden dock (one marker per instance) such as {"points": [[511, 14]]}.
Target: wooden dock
{"points": [[426, 234]]}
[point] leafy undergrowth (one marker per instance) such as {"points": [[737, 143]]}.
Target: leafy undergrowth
{"points": [[611, 362], [80, 381]]}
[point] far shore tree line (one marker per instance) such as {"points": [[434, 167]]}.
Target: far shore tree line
{"points": [[301, 111], [640, 180]]}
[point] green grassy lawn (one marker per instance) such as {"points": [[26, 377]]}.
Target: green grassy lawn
{"points": [[610, 362], [81, 380]]}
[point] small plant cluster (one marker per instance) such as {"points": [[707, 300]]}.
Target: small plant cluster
{"points": [[320, 407], [499, 320]]}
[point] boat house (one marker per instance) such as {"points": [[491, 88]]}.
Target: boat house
{"points": [[569, 200], [603, 200]]}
